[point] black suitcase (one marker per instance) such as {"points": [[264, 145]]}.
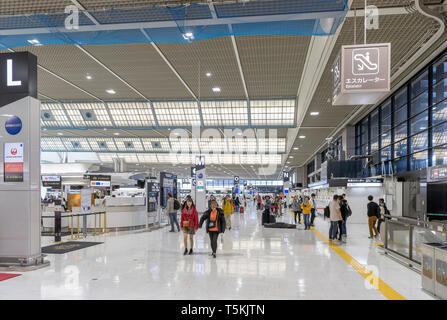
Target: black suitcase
{"points": [[265, 217], [272, 219]]}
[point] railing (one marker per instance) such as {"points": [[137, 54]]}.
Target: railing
{"points": [[102, 230], [404, 236]]}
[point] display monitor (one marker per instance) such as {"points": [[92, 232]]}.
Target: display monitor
{"points": [[437, 201]]}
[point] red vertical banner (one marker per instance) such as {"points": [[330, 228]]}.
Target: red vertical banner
{"points": [[13, 162]]}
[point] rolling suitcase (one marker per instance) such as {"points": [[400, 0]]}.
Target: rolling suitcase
{"points": [[241, 209]]}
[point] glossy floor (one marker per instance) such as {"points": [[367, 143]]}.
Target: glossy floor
{"points": [[252, 263]]}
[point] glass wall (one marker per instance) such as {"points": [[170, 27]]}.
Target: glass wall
{"points": [[409, 129]]}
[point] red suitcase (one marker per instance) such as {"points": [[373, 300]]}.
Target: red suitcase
{"points": [[241, 209]]}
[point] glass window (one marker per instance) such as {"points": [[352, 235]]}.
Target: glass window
{"points": [[400, 149], [440, 69], [400, 115], [386, 139], [439, 113], [386, 109], [364, 131], [419, 123], [419, 160], [374, 124], [440, 91], [440, 134], [400, 165], [401, 98], [419, 142], [400, 132], [385, 154], [374, 144], [419, 84], [439, 156], [363, 150], [419, 104], [386, 124]]}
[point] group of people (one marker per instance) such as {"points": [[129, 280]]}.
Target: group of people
{"points": [[377, 213], [339, 211], [216, 219], [307, 207]]}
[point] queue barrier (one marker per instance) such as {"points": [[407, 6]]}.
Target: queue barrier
{"points": [[96, 231]]}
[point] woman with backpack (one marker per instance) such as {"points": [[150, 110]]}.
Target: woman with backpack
{"points": [[172, 206], [215, 224], [295, 208], [189, 222]]}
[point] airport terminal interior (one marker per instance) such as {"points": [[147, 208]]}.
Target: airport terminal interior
{"points": [[223, 150]]}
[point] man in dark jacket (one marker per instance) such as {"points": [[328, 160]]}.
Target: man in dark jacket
{"points": [[373, 215], [215, 224]]}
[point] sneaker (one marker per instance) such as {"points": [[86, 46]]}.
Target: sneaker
{"points": [[186, 252], [370, 237], [171, 231], [214, 255], [190, 251]]}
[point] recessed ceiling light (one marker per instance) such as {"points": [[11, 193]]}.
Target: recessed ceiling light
{"points": [[288, 162], [216, 89], [88, 77], [208, 74], [110, 91], [315, 113], [296, 148], [34, 41], [291, 157], [116, 133], [188, 36], [302, 137], [60, 134]]}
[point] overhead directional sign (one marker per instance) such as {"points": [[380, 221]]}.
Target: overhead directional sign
{"points": [[361, 74], [236, 180]]}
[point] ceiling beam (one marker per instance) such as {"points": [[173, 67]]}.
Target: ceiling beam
{"points": [[169, 64], [173, 24], [112, 72], [239, 64], [84, 10]]}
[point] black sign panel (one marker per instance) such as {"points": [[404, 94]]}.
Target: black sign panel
{"points": [[18, 76], [53, 182], [236, 180], [97, 177], [285, 176], [200, 163], [193, 172]]}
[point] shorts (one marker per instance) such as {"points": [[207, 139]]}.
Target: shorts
{"points": [[189, 230]]}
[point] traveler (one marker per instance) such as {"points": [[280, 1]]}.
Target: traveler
{"points": [[172, 212], [227, 207], [266, 212], [373, 215], [344, 216], [335, 216], [306, 207], [295, 207], [185, 200], [215, 224], [313, 210], [259, 199], [383, 212], [210, 200], [189, 222], [236, 202]]}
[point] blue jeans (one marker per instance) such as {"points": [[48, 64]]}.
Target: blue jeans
{"points": [[173, 219], [306, 220], [333, 230], [343, 227]]}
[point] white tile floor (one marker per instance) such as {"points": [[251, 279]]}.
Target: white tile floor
{"points": [[252, 263]]}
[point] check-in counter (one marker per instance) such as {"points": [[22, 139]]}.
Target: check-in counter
{"points": [[122, 213]]}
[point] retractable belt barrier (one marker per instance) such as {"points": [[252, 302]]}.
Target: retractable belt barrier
{"points": [[101, 230]]}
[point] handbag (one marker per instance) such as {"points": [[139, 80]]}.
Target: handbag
{"points": [[186, 223]]}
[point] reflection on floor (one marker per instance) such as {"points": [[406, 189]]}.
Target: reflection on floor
{"points": [[252, 263]]}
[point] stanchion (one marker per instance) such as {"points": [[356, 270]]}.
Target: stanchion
{"points": [[94, 228], [72, 238], [105, 222], [77, 238], [100, 232]]}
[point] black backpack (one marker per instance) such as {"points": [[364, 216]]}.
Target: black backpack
{"points": [[327, 212], [176, 204], [348, 210]]}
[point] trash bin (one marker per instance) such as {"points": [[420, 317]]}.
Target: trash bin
{"points": [[441, 272], [428, 265]]}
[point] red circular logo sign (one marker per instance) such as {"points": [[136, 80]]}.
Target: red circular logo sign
{"points": [[13, 151]]}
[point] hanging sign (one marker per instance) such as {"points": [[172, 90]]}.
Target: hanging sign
{"points": [[236, 180], [361, 74], [13, 162]]}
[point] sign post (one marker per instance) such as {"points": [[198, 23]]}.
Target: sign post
{"points": [[361, 74], [201, 204], [20, 175]]}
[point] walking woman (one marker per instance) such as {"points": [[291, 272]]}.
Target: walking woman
{"points": [[266, 213], [215, 224], [295, 207], [306, 206], [189, 222], [172, 212], [227, 207]]}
